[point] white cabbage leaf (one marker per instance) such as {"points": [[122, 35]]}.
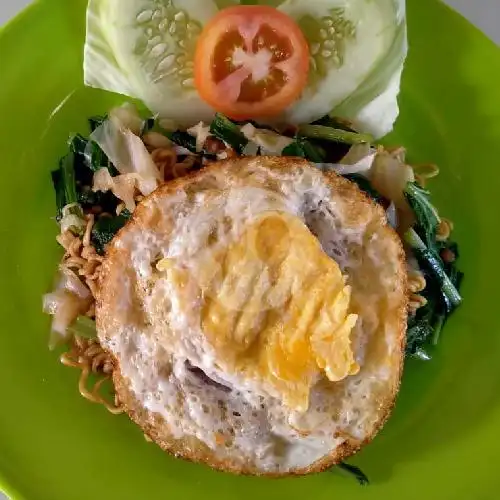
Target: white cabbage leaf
{"points": [[128, 153]]}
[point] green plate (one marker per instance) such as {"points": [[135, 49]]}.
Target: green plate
{"points": [[442, 441]]}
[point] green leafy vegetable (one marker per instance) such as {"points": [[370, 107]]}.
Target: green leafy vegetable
{"points": [[229, 132], [96, 121], [89, 199], [183, 139], [89, 154], [426, 215], [68, 178], [424, 327], [333, 134], [83, 327], [69, 212], [443, 279], [58, 183], [442, 295], [188, 142], [105, 229], [304, 149], [333, 122], [356, 472]]}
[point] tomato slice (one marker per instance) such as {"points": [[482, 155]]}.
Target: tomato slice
{"points": [[251, 62]]}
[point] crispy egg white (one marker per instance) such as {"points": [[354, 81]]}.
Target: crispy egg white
{"points": [[256, 312]]}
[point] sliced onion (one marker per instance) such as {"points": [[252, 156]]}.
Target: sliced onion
{"points": [[389, 177], [122, 186], [72, 283], [128, 154], [357, 152], [65, 307], [201, 133], [269, 141], [362, 167]]}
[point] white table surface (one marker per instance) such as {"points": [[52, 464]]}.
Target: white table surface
{"points": [[484, 13]]}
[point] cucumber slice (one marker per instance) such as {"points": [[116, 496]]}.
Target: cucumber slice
{"points": [[145, 49], [358, 48]]}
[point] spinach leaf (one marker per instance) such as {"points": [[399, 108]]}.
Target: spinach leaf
{"points": [[96, 121], [106, 201], [187, 141], [67, 167], [304, 149], [183, 139], [426, 215], [438, 262], [105, 229], [442, 295], [89, 154], [58, 183]]}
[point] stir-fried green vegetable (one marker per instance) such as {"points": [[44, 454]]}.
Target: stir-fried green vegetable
{"points": [[229, 132], [105, 229], [88, 153], [334, 134], [305, 149], [83, 327], [426, 215], [69, 211], [96, 121], [443, 278], [325, 141], [183, 139]]}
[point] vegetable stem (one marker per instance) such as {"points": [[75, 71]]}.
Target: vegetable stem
{"points": [[83, 327], [225, 130], [68, 177], [333, 134], [435, 266]]}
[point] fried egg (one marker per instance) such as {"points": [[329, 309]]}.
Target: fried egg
{"points": [[256, 312]]}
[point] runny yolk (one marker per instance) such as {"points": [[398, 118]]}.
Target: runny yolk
{"points": [[274, 307], [278, 310]]}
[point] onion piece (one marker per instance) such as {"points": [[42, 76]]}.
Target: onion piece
{"points": [[128, 154], [270, 142], [392, 215], [72, 283], [122, 186], [389, 177], [201, 133], [65, 307]]}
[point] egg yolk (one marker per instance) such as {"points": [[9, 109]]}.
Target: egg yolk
{"points": [[275, 308]]}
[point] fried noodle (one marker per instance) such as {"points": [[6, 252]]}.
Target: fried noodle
{"points": [[82, 258]]}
